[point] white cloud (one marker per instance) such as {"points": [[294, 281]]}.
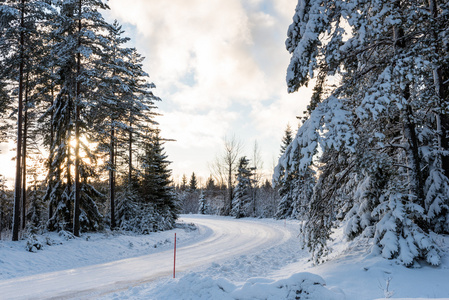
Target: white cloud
{"points": [[192, 130], [219, 67]]}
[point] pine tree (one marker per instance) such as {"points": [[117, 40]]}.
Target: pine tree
{"points": [[203, 207], [183, 185], [193, 184], [241, 206], [157, 188], [20, 26], [294, 184], [123, 92], [387, 110], [210, 184], [287, 139], [284, 182]]}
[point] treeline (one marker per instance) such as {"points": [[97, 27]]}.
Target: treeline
{"points": [[84, 110], [372, 154], [252, 196]]}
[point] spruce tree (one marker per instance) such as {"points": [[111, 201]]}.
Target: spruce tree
{"points": [[241, 206], [193, 184], [157, 187], [286, 139], [387, 110], [203, 207]]}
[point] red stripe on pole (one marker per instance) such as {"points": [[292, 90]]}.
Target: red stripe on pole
{"points": [[174, 260]]}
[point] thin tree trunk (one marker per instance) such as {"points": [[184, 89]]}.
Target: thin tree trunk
{"points": [[409, 130], [230, 194], [439, 91], [112, 177], [410, 134], [24, 155], [51, 156], [69, 152], [18, 179], [76, 212], [130, 153]]}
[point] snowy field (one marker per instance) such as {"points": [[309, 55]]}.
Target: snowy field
{"points": [[218, 258]]}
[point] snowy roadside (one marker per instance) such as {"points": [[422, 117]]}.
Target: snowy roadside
{"points": [[352, 273], [257, 275], [63, 251], [280, 271]]}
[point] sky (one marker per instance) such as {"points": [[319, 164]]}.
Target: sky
{"points": [[219, 68]]}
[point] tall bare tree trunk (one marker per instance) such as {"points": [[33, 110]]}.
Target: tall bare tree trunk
{"points": [[76, 209], [51, 155], [24, 154], [18, 179], [112, 177]]}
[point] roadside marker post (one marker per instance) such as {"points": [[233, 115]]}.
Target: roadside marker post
{"points": [[174, 260]]}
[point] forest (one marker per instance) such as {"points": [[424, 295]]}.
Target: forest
{"points": [[371, 154], [85, 133]]}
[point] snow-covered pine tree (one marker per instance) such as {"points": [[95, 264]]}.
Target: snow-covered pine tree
{"points": [[287, 139], [203, 206], [295, 185], [284, 182], [124, 97], [78, 33], [437, 183], [20, 26], [157, 188], [241, 204], [377, 129]]}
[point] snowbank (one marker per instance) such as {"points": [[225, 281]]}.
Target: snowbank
{"points": [[194, 286]]}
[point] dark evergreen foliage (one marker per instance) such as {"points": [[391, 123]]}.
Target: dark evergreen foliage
{"points": [[81, 93]]}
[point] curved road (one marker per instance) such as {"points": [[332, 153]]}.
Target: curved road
{"points": [[226, 238]]}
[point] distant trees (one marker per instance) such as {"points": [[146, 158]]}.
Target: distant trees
{"points": [[225, 166], [251, 195], [378, 137], [83, 95]]}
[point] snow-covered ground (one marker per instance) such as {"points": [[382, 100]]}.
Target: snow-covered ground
{"points": [[219, 258]]}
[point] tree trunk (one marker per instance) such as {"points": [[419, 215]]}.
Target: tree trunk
{"points": [[51, 176], [76, 209], [112, 177], [230, 192], [130, 155], [24, 155], [416, 177], [18, 178], [409, 128], [439, 90]]}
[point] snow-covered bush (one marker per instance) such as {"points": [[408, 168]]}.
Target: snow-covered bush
{"points": [[33, 244]]}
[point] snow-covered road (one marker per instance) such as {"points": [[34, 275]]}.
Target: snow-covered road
{"points": [[220, 239]]}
